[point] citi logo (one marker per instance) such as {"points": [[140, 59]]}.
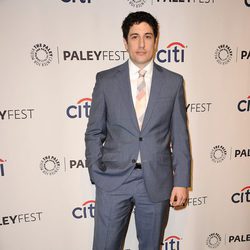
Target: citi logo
{"points": [[172, 243], [87, 210], [82, 109], [175, 52], [244, 105], [2, 167], [242, 196]]}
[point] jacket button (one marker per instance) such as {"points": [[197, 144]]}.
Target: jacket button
{"points": [[133, 161], [140, 139]]}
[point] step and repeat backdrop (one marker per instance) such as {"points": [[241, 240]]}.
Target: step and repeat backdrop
{"points": [[50, 52]]}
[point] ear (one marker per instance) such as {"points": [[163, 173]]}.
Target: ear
{"points": [[125, 44], [156, 42]]}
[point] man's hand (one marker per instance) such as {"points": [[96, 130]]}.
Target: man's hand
{"points": [[179, 196]]}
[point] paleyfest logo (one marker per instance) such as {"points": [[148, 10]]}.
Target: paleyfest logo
{"points": [[184, 1], [219, 153], [94, 55], [20, 218], [224, 54], [17, 114], [214, 240]]}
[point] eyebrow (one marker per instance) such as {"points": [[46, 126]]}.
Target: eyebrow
{"points": [[148, 33]]}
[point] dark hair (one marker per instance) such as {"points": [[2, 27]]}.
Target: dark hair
{"points": [[137, 18]]}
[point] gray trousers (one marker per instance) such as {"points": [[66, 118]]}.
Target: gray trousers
{"points": [[113, 210]]}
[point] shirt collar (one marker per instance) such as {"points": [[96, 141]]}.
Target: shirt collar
{"points": [[133, 69]]}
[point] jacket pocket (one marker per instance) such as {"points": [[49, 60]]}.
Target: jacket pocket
{"points": [[110, 157], [164, 157]]}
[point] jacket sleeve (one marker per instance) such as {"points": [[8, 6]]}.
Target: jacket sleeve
{"points": [[180, 140], [95, 134]]}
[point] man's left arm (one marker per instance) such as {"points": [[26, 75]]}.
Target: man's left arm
{"points": [[181, 149]]}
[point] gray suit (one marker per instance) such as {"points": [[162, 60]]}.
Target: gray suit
{"points": [[113, 140], [113, 121]]}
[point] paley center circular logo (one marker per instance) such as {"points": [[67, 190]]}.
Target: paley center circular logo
{"points": [[41, 54], [50, 165], [218, 153], [213, 240], [137, 3], [223, 54]]}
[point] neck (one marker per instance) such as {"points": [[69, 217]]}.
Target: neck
{"points": [[140, 66]]}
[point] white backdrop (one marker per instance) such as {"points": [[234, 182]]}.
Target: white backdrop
{"points": [[50, 53]]}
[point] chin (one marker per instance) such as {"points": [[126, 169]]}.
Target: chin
{"points": [[142, 60]]}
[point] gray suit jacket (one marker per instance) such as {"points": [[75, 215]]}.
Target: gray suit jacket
{"points": [[113, 138]]}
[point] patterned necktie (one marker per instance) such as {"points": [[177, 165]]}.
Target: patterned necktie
{"points": [[140, 105]]}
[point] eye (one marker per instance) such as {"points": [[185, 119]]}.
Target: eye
{"points": [[134, 37], [149, 36]]}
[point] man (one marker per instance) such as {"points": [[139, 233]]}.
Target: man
{"points": [[138, 109]]}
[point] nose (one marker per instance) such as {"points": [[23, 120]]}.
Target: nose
{"points": [[141, 42]]}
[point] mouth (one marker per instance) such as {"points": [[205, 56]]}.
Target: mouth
{"points": [[140, 53]]}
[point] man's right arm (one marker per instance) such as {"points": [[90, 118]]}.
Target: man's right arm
{"points": [[95, 134]]}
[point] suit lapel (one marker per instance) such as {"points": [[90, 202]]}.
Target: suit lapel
{"points": [[125, 87], [126, 93], [154, 93]]}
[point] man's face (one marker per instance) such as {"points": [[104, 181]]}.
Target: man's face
{"points": [[141, 44]]}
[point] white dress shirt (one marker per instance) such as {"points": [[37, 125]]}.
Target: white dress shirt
{"points": [[133, 76]]}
